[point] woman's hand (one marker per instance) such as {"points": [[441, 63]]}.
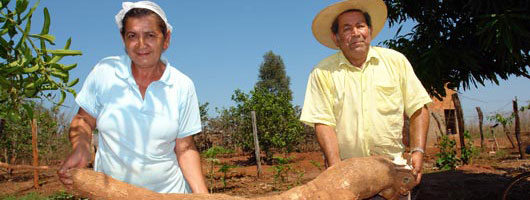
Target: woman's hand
{"points": [[80, 137], [79, 158]]}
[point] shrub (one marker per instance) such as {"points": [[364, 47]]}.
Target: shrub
{"points": [[447, 158]]}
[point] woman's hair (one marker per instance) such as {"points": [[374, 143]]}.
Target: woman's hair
{"points": [[142, 12]]}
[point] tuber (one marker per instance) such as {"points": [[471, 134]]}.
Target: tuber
{"points": [[354, 178]]}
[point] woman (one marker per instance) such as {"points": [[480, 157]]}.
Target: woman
{"points": [[145, 110]]}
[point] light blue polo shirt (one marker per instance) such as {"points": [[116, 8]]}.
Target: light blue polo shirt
{"points": [[137, 136]]}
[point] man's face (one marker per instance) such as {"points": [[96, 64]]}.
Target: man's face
{"points": [[354, 35], [144, 40]]}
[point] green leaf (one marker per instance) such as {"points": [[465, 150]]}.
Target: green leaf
{"points": [[72, 91], [57, 58], [3, 32], [61, 101], [21, 6], [65, 52], [25, 34], [68, 42], [46, 25], [68, 67], [59, 74], [14, 116], [30, 85], [29, 109], [72, 83], [4, 82], [30, 13], [31, 69], [47, 37]]}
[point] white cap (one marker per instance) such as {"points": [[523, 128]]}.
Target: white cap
{"points": [[141, 4]]}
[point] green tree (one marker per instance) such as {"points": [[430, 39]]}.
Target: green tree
{"points": [[277, 122], [277, 125], [28, 72], [463, 42], [272, 76]]}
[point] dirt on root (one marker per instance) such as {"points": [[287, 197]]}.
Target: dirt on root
{"points": [[485, 178]]}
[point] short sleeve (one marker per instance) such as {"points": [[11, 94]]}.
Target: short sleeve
{"points": [[87, 98], [414, 94], [318, 107], [189, 115]]}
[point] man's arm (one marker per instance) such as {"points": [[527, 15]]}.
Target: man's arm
{"points": [[419, 125], [328, 143], [190, 163], [80, 138]]}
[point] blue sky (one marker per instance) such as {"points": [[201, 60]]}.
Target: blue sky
{"points": [[220, 45]]}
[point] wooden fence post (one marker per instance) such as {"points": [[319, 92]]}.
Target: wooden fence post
{"points": [[35, 152], [518, 128], [460, 118], [480, 119], [256, 142]]}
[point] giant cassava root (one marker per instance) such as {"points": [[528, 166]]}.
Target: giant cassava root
{"points": [[354, 178]]}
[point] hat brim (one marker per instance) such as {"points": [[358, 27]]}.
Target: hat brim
{"points": [[322, 23]]}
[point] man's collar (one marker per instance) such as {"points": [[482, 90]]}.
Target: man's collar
{"points": [[371, 55], [123, 70]]}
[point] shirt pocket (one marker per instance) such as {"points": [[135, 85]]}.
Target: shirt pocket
{"points": [[388, 99]]}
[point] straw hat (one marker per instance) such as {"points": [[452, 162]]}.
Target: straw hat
{"points": [[323, 21]]}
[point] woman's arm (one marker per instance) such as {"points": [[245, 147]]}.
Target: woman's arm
{"points": [[80, 136], [190, 163]]}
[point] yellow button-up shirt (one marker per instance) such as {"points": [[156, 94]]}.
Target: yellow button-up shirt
{"points": [[365, 105]]}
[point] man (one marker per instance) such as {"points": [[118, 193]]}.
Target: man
{"points": [[356, 98]]}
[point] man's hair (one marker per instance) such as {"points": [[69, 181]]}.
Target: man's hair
{"points": [[142, 12], [335, 24]]}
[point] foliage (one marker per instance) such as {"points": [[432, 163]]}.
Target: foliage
{"points": [[211, 157], [64, 196], [447, 158], [216, 150], [35, 196], [299, 175], [203, 139], [272, 76], [316, 164], [281, 169], [469, 152], [504, 121], [225, 168], [462, 42], [52, 137], [203, 109], [27, 71], [277, 125]]}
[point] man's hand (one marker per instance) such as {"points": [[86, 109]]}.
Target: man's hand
{"points": [[419, 125], [79, 158], [417, 165]]}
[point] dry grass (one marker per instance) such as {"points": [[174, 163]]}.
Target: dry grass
{"points": [[473, 126]]}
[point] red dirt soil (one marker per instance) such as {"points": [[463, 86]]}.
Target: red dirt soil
{"points": [[484, 179]]}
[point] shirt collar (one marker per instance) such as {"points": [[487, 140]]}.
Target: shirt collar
{"points": [[371, 55], [124, 70]]}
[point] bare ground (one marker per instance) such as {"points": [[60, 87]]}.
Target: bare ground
{"points": [[485, 178]]}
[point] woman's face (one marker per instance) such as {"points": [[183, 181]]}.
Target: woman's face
{"points": [[144, 40]]}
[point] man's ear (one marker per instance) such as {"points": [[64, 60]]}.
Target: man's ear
{"points": [[335, 39]]}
